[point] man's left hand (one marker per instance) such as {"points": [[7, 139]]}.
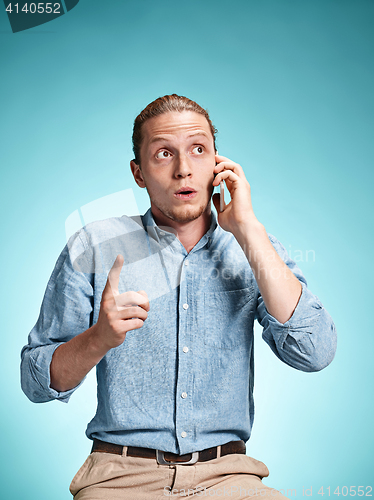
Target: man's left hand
{"points": [[239, 212], [278, 286]]}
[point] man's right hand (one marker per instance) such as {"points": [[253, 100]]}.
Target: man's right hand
{"points": [[119, 313]]}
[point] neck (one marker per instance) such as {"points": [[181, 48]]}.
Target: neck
{"points": [[188, 233]]}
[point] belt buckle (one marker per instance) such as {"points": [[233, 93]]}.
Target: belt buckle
{"points": [[161, 459]]}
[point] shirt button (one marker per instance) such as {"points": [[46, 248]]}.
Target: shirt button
{"points": [[185, 306], [186, 262], [184, 434], [184, 395], [185, 349]]}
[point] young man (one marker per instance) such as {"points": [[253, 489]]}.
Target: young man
{"points": [[175, 359]]}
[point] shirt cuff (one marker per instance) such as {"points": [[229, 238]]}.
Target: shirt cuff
{"points": [[302, 321], [40, 361]]}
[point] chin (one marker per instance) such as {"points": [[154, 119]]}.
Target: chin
{"points": [[184, 214]]}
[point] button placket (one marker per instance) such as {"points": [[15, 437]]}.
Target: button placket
{"points": [[184, 402]]}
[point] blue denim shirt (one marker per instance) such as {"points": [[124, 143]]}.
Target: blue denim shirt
{"points": [[183, 382]]}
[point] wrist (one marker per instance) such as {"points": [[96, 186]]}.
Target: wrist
{"points": [[249, 233], [96, 343]]}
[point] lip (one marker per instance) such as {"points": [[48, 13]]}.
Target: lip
{"points": [[185, 193]]}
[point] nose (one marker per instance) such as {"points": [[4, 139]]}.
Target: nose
{"points": [[182, 167]]}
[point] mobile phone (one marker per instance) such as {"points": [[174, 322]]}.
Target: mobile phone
{"points": [[221, 197]]}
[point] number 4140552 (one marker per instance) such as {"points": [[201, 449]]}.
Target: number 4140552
{"points": [[33, 8], [351, 491]]}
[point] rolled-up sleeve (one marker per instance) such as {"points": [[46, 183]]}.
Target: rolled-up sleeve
{"points": [[65, 312], [35, 374], [307, 341]]}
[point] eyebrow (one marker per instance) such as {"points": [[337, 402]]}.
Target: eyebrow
{"points": [[161, 138]]}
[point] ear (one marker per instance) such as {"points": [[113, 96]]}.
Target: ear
{"points": [[137, 173]]}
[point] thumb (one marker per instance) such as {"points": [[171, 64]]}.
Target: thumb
{"points": [[145, 304], [111, 286]]}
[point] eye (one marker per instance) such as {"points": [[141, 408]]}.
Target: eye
{"points": [[198, 150], [163, 154]]}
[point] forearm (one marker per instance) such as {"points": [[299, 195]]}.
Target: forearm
{"points": [[279, 287], [73, 360]]}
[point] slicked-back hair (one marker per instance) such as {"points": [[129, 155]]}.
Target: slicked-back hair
{"points": [[162, 105]]}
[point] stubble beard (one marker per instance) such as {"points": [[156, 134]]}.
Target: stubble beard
{"points": [[182, 215]]}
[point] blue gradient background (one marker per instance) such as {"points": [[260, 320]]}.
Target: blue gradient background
{"points": [[289, 85]]}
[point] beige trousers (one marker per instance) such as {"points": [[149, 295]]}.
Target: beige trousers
{"points": [[106, 476]]}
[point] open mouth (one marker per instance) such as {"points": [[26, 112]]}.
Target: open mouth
{"points": [[185, 193]]}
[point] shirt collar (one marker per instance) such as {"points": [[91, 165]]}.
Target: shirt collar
{"points": [[160, 233]]}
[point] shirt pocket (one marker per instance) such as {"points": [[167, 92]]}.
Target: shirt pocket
{"points": [[228, 318]]}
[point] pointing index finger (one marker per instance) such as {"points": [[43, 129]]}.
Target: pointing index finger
{"points": [[111, 286]]}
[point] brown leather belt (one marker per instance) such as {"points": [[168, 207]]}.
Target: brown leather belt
{"points": [[167, 458]]}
